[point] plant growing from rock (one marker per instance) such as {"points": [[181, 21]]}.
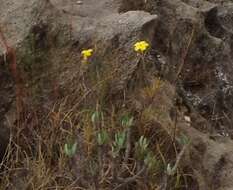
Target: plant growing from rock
{"points": [[96, 118], [102, 138], [70, 149], [127, 123], [144, 155], [141, 47], [86, 54], [118, 143], [139, 76]]}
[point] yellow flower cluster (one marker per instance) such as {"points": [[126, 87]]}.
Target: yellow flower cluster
{"points": [[86, 54], [141, 46]]}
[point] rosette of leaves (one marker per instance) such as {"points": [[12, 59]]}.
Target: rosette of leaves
{"points": [[96, 117], [102, 138], [127, 121], [119, 143], [141, 148], [70, 149]]}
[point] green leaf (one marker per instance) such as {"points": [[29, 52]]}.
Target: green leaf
{"points": [[102, 137], [170, 170], [70, 150], [119, 143], [127, 121], [142, 147], [95, 117]]}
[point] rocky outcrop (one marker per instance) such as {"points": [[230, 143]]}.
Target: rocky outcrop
{"points": [[192, 50], [46, 38], [200, 49], [196, 37]]}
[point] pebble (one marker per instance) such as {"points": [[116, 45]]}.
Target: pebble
{"points": [[79, 2], [187, 119]]}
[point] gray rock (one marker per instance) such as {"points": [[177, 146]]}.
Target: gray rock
{"points": [[37, 28], [194, 39]]}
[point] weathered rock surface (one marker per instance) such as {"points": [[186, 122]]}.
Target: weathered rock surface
{"points": [[42, 32], [193, 41], [200, 50], [196, 37]]}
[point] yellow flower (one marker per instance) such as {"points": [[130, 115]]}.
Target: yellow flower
{"points": [[87, 53], [141, 46]]}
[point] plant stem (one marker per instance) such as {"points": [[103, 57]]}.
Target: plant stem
{"points": [[129, 179], [128, 147]]}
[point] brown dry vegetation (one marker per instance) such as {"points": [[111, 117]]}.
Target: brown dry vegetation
{"points": [[35, 157], [157, 121]]}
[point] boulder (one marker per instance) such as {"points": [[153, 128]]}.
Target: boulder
{"points": [[43, 36]]}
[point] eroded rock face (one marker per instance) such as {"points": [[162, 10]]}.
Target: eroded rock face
{"points": [[14, 27], [196, 37], [47, 37], [194, 41], [197, 40]]}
